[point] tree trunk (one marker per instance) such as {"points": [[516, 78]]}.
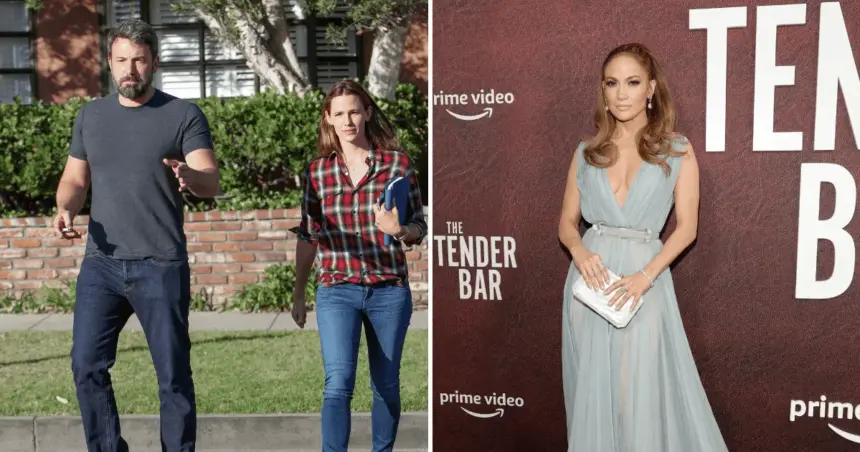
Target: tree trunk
{"points": [[266, 47], [384, 72]]}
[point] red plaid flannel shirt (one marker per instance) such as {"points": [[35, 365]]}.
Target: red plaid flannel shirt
{"points": [[340, 221]]}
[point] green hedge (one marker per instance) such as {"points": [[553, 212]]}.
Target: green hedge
{"points": [[262, 143]]}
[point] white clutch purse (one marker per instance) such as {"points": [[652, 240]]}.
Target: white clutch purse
{"points": [[599, 303]]}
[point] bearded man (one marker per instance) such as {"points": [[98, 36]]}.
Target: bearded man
{"points": [[138, 149]]}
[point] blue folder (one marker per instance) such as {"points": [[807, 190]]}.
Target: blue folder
{"points": [[396, 192]]}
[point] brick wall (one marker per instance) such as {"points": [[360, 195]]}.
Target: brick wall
{"points": [[226, 249]]}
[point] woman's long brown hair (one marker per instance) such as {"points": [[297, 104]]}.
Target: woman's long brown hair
{"points": [[380, 132], [654, 141]]}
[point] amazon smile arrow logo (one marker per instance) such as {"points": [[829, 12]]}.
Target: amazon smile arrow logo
{"points": [[822, 409], [499, 412], [487, 100], [488, 112], [849, 436]]}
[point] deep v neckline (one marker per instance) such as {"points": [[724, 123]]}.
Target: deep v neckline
{"points": [[629, 190]]}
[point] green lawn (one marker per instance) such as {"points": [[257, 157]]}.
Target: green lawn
{"points": [[234, 372]]}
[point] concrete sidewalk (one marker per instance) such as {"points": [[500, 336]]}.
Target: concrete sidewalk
{"points": [[200, 321], [215, 433]]}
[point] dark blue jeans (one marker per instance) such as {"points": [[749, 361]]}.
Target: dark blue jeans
{"points": [[108, 292], [385, 312]]}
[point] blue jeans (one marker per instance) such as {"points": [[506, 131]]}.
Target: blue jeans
{"points": [[108, 292], [385, 311]]}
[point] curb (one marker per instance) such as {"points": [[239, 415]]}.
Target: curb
{"points": [[198, 321], [215, 433]]}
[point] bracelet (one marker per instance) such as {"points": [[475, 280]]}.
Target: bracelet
{"points": [[649, 278]]}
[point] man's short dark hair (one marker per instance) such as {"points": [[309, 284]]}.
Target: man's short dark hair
{"points": [[136, 31]]}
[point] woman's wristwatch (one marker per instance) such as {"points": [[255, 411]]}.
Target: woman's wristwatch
{"points": [[405, 233]]}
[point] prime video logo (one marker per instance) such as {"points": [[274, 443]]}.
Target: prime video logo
{"points": [[481, 406], [483, 98], [827, 410]]}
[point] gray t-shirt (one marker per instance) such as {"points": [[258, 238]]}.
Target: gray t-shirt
{"points": [[136, 208]]}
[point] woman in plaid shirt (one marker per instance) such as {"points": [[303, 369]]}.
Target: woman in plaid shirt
{"points": [[361, 280]]}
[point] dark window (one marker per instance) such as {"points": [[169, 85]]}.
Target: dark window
{"points": [[17, 65]]}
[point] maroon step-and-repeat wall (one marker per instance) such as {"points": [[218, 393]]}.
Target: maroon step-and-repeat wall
{"points": [[769, 95]]}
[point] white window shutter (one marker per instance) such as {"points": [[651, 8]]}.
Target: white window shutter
{"points": [[326, 48], [162, 14], [178, 45], [329, 73], [180, 82], [332, 71], [229, 81], [215, 50], [292, 9], [121, 10]]}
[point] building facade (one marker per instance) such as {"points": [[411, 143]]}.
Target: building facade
{"points": [[60, 51]]}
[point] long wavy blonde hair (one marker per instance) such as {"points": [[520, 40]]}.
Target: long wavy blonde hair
{"points": [[654, 141]]}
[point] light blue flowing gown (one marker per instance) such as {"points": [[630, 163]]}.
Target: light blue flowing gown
{"points": [[634, 389]]}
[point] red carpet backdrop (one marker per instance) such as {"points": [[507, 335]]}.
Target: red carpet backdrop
{"points": [[769, 95]]}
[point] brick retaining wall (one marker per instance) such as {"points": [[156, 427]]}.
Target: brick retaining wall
{"points": [[226, 249]]}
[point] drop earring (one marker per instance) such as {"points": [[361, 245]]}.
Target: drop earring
{"points": [[649, 103], [606, 107]]}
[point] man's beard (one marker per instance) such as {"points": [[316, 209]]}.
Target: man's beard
{"points": [[135, 90]]}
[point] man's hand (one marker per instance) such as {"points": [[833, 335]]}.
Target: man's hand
{"points": [[184, 173], [64, 225]]}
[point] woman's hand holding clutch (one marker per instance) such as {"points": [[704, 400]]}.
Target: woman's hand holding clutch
{"points": [[628, 288], [591, 267]]}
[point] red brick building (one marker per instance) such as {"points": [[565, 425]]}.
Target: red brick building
{"points": [[59, 52]]}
